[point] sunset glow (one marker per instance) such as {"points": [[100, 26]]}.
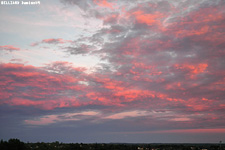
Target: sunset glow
{"points": [[113, 71]]}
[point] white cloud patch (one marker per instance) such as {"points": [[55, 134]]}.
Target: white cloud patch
{"points": [[50, 119]]}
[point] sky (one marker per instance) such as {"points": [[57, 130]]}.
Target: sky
{"points": [[133, 71]]}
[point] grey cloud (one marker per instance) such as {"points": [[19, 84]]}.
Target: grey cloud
{"points": [[83, 4], [80, 49]]}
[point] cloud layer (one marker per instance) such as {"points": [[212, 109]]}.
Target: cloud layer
{"points": [[161, 70]]}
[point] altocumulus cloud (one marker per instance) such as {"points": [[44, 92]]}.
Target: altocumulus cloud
{"points": [[164, 71]]}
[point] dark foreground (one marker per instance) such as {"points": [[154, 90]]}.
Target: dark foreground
{"points": [[15, 144]]}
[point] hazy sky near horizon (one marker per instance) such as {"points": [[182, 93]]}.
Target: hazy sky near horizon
{"points": [[113, 71]]}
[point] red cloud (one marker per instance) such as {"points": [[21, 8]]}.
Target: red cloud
{"points": [[175, 86], [52, 41], [132, 47], [204, 24], [195, 69], [149, 19], [104, 3], [118, 92], [9, 48], [191, 32], [196, 104], [192, 69], [132, 94], [31, 86]]}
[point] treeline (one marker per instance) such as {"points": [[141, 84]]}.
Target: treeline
{"points": [[16, 144]]}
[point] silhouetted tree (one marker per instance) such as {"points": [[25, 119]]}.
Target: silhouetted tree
{"points": [[12, 144]]}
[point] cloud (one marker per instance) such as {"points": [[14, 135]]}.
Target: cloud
{"points": [[163, 67], [163, 58], [9, 48], [104, 3], [220, 130], [148, 19], [149, 61], [30, 86], [122, 115], [80, 49], [52, 41], [50, 119], [87, 4], [192, 70]]}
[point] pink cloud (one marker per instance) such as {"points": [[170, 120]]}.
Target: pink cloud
{"points": [[112, 18], [205, 22], [9, 48], [192, 69], [148, 19], [104, 3], [152, 70], [175, 86], [31, 86], [219, 130], [52, 41], [216, 130], [191, 32]]}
